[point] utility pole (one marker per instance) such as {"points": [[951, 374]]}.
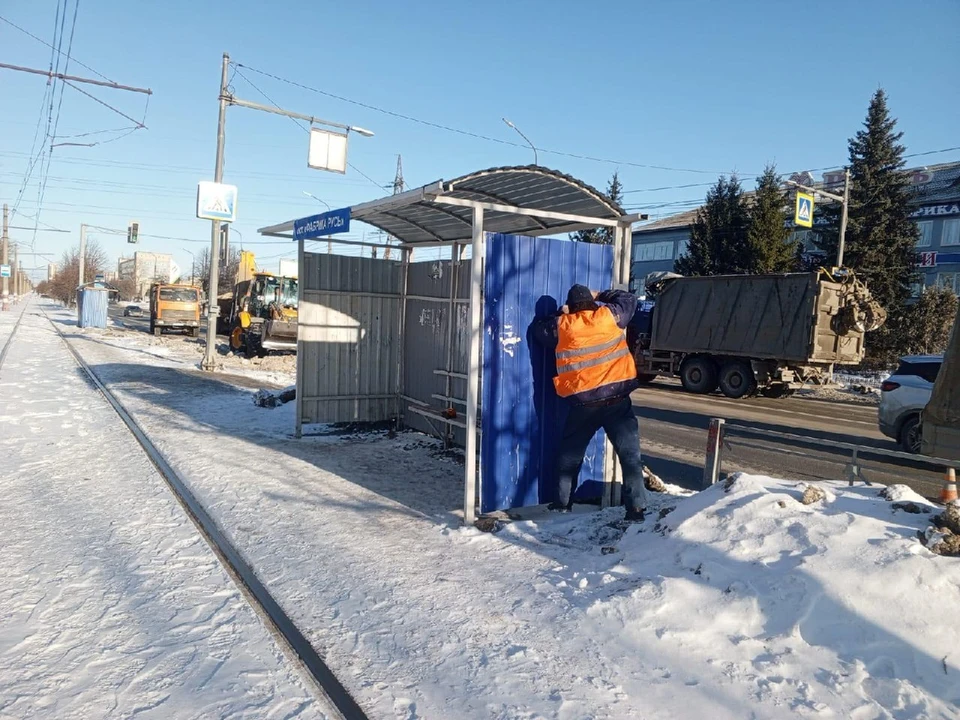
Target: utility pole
{"points": [[4, 253], [227, 98], [844, 201], [83, 254], [212, 308], [398, 184], [14, 269], [843, 215]]}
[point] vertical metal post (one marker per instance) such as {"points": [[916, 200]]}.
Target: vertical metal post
{"points": [[4, 252], [843, 216], [714, 458], [451, 322], [212, 289], [81, 270], [301, 278], [473, 370], [401, 332]]}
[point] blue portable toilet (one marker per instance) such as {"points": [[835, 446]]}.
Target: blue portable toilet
{"points": [[92, 300]]}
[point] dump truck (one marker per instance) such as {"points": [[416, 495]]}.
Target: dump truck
{"points": [[260, 314], [174, 307], [941, 417], [746, 334]]}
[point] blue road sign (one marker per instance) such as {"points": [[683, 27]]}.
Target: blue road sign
{"points": [[804, 212], [328, 223], [216, 201]]}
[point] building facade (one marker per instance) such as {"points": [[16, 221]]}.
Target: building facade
{"points": [[657, 245], [146, 268]]}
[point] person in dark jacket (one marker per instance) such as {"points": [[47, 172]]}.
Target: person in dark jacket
{"points": [[596, 372]]}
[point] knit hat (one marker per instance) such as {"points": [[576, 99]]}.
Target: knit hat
{"points": [[579, 295]]}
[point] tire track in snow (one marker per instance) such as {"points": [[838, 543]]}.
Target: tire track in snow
{"points": [[267, 608]]}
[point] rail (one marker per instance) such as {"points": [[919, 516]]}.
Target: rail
{"points": [[9, 342], [267, 608], [716, 442]]}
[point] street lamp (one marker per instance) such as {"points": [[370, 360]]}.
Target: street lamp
{"points": [[323, 202], [193, 266], [532, 146], [361, 131]]}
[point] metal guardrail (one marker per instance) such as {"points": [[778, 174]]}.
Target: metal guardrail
{"points": [[716, 441]]}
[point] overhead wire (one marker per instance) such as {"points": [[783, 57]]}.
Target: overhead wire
{"points": [[51, 134], [236, 67], [44, 42], [467, 133]]}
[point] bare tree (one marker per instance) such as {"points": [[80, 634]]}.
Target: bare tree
{"points": [[63, 287]]}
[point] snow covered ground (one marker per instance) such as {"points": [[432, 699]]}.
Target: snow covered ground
{"points": [[275, 370], [112, 605], [738, 602]]}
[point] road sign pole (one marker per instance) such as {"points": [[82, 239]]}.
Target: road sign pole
{"points": [[212, 289], [843, 216]]}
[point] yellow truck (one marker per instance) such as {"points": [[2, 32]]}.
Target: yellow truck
{"points": [[260, 314], [174, 307]]}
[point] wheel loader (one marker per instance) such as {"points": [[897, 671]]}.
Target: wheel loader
{"points": [[260, 315]]}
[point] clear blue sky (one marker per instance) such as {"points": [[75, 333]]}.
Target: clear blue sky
{"points": [[714, 87]]}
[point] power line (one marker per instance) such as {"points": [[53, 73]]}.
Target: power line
{"points": [[44, 42], [467, 133], [236, 67]]}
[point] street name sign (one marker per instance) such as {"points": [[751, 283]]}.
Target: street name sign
{"points": [[328, 223]]}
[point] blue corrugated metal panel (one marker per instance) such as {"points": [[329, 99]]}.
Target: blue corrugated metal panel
{"points": [[92, 307], [522, 417]]}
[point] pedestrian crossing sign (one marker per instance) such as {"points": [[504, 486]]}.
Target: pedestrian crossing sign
{"points": [[804, 213], [216, 201]]}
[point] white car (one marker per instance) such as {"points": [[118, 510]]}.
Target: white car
{"points": [[904, 395]]}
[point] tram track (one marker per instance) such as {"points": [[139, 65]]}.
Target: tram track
{"points": [[284, 630]]}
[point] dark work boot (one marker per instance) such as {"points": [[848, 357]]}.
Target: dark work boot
{"points": [[634, 515], [558, 507]]}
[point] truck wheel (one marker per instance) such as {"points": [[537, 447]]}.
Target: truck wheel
{"points": [[776, 391], [911, 435], [737, 379], [698, 375]]}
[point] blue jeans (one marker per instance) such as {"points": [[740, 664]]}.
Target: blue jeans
{"points": [[623, 429]]}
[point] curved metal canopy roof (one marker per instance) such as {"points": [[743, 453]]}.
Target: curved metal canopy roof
{"points": [[522, 200]]}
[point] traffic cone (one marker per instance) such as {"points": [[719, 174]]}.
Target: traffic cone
{"points": [[949, 492]]}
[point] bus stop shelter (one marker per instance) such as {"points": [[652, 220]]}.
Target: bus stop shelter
{"points": [[510, 210]]}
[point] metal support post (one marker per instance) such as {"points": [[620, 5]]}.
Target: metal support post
{"points": [[473, 371], [714, 456], [81, 270], [401, 333], [212, 288], [301, 278], [843, 216]]}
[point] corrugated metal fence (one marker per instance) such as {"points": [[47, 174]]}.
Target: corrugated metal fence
{"points": [[527, 278], [349, 347]]}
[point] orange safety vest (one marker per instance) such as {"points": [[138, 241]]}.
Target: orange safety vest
{"points": [[591, 352]]}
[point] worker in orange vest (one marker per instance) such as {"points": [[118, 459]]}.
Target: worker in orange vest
{"points": [[596, 371]]}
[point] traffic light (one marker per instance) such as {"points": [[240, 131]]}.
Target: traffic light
{"points": [[133, 232]]}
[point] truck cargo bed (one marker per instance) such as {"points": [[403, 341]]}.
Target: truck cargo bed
{"points": [[778, 317]]}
